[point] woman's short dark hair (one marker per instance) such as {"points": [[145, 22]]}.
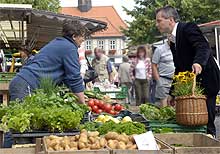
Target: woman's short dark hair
{"points": [[140, 49], [74, 28]]}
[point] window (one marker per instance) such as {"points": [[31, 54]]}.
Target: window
{"points": [[112, 45], [88, 45], [101, 44]]}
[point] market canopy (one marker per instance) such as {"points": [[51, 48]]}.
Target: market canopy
{"points": [[36, 27]]}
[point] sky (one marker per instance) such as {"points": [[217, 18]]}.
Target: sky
{"points": [[129, 4]]}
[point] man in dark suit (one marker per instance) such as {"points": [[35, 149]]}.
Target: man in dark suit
{"points": [[191, 52]]}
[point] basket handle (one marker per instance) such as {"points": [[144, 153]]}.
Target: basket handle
{"points": [[194, 86]]}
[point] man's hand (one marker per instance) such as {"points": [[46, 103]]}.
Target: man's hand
{"points": [[81, 97], [170, 100], [197, 68]]}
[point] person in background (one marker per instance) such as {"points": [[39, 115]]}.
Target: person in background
{"points": [[124, 76], [163, 71], [141, 72], [191, 52], [26, 55], [102, 65], [58, 60], [82, 60]]}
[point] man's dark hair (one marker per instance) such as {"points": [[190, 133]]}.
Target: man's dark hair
{"points": [[169, 11], [74, 28]]}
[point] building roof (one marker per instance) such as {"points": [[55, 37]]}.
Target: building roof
{"points": [[107, 14], [39, 27]]}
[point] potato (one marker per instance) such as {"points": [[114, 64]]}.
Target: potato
{"points": [[131, 138], [95, 146], [133, 147], [74, 148], [53, 143], [102, 142], [81, 145], [121, 145], [77, 137], [58, 148], [83, 138], [52, 137], [85, 149], [73, 144], [83, 131], [93, 134], [67, 147], [111, 136], [92, 140], [112, 144], [123, 138], [129, 145], [65, 142], [50, 149], [72, 138]]}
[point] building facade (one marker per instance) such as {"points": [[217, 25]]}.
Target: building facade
{"points": [[112, 40]]}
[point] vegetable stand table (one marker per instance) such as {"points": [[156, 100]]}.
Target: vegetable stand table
{"points": [[5, 79]]}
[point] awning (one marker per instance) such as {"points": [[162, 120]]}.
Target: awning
{"points": [[25, 25]]}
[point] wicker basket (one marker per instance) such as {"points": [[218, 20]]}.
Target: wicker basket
{"points": [[191, 110]]}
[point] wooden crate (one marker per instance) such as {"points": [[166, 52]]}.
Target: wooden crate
{"points": [[165, 149], [193, 143], [17, 151], [102, 151]]}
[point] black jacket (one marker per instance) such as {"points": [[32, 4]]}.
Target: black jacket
{"points": [[192, 47]]}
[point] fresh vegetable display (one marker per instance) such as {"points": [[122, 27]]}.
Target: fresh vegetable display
{"points": [[93, 95], [128, 128], [90, 141], [84, 141], [106, 118], [98, 106], [51, 110], [152, 112]]}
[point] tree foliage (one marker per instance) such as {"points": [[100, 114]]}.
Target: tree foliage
{"points": [[143, 30], [49, 5]]}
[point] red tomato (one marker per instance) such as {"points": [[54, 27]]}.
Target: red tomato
{"points": [[95, 108], [118, 107], [108, 107], [112, 112], [96, 102], [98, 111], [101, 104], [91, 103]]}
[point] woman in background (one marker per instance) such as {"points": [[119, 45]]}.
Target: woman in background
{"points": [[141, 73]]}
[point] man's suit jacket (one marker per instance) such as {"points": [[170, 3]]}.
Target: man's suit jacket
{"points": [[192, 47]]}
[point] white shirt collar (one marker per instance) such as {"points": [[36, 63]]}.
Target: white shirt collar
{"points": [[175, 29]]}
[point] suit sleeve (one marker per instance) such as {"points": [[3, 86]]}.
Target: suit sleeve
{"points": [[199, 44]]}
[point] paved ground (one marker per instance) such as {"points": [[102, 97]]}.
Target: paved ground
{"points": [[217, 124]]}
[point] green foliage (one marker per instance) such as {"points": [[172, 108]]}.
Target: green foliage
{"points": [[54, 112], [49, 5], [151, 112], [128, 128], [143, 29]]}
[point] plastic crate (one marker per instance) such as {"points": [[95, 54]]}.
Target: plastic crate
{"points": [[122, 94], [175, 127]]}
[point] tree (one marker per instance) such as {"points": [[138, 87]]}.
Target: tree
{"points": [[49, 5], [143, 29]]}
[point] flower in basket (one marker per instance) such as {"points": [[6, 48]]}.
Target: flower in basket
{"points": [[183, 85]]}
